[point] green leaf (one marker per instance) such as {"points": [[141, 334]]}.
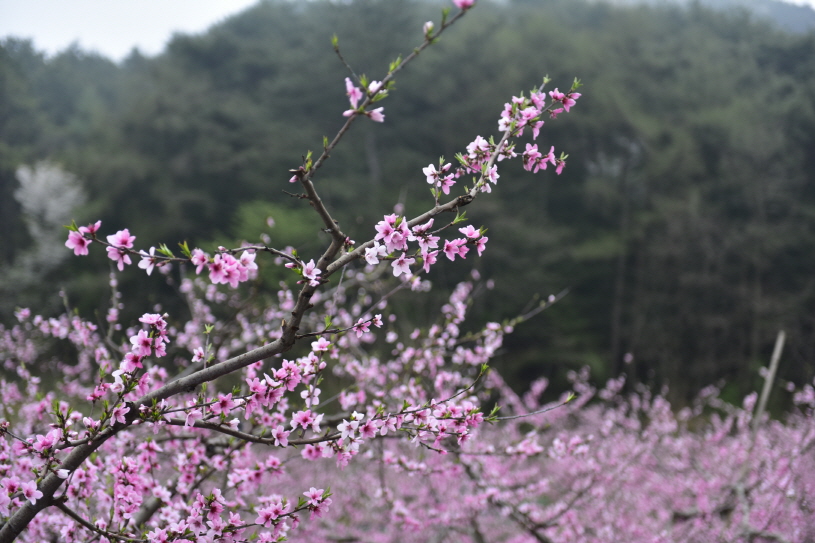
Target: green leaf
{"points": [[185, 249], [395, 64], [163, 249]]}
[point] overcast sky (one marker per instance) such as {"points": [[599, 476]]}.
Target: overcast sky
{"points": [[111, 27], [114, 27]]}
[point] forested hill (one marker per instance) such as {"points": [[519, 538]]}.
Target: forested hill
{"points": [[684, 223], [791, 17]]}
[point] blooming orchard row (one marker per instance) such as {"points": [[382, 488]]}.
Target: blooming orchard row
{"points": [[626, 468]]}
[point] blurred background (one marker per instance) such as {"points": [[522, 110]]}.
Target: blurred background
{"points": [[683, 225]]}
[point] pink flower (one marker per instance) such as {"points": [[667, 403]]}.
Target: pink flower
{"points": [[478, 148], [536, 129], [550, 157], [464, 4], [78, 243], [481, 244], [347, 429], [148, 261], [281, 436], [199, 260], [119, 413], [142, 343], [354, 94], [45, 442], [247, 261], [428, 259], [30, 491], [131, 362], [435, 177], [192, 416], [368, 430], [455, 247], [385, 229], [306, 419], [119, 242], [91, 228], [312, 452], [388, 425], [77, 240], [320, 345], [314, 495], [531, 158], [395, 237], [266, 515], [361, 327], [556, 95], [402, 265], [492, 175], [446, 183], [153, 319], [256, 386], [198, 354], [122, 238], [373, 254], [321, 509], [217, 270], [374, 87], [223, 405], [431, 174], [470, 232], [310, 272], [376, 115]]}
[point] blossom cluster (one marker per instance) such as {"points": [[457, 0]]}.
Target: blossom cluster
{"points": [[203, 438], [267, 409], [355, 94], [394, 234]]}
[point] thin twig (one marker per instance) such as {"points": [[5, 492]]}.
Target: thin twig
{"points": [[769, 379]]}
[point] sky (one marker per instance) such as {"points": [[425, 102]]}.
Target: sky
{"points": [[111, 27], [114, 27]]}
